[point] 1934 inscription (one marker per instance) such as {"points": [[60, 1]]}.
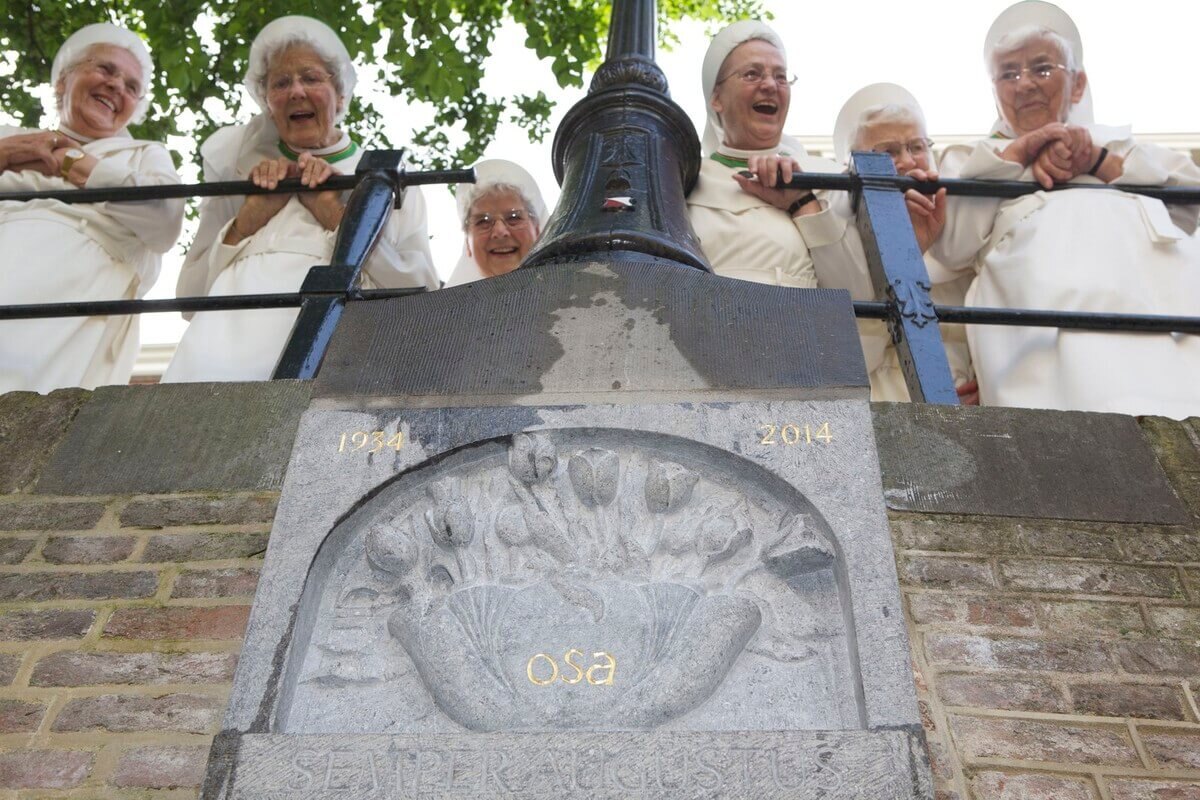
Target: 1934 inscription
{"points": [[370, 441]]}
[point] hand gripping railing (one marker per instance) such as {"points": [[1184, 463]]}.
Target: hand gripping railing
{"points": [[378, 185], [899, 276]]}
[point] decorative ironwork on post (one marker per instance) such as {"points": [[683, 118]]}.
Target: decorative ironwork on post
{"points": [[626, 157]]}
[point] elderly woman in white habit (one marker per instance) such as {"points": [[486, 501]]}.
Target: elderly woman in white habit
{"points": [[1076, 249], [886, 118], [747, 226], [502, 214], [56, 252], [302, 78]]}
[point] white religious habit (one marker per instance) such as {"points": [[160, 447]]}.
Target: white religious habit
{"points": [[57, 252], [246, 345], [1080, 250]]}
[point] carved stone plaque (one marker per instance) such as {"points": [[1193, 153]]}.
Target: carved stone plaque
{"points": [[657, 600]]}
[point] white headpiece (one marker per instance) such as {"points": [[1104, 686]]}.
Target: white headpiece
{"points": [[866, 99], [77, 44], [289, 30], [1039, 14], [490, 173], [719, 49]]}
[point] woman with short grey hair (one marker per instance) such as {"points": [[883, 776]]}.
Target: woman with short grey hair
{"points": [[502, 215]]}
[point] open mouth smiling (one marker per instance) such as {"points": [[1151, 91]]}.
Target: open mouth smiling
{"points": [[106, 102], [302, 116], [766, 107]]}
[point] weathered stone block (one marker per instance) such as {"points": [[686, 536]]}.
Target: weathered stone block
{"points": [[44, 769], [18, 716], [1171, 443], [19, 626], [1017, 786], [1173, 622], [976, 537], [1082, 618], [1151, 657], [13, 549], [169, 512], [1050, 539], [160, 767], [207, 583], [1173, 548], [178, 438], [946, 573], [31, 425], [1128, 700], [944, 607], [9, 664], [1027, 740], [1085, 578], [950, 649], [182, 713], [178, 622], [87, 549], [24, 515], [204, 546], [1173, 750], [75, 668], [1148, 789], [40, 586], [984, 691]]}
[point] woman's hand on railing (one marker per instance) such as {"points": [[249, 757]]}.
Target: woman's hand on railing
{"points": [[927, 212], [1026, 149], [326, 207], [32, 151], [766, 173], [259, 209]]}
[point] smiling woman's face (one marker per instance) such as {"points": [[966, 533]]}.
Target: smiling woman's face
{"points": [[302, 98], [498, 239], [1032, 101], [752, 114], [99, 94]]}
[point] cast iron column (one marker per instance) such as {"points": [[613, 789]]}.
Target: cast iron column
{"points": [[626, 157]]}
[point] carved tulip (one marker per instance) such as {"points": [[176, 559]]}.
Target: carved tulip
{"points": [[797, 549], [391, 549], [531, 457], [720, 538], [669, 486], [511, 527], [595, 474], [450, 521]]}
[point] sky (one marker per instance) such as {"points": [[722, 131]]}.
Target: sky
{"points": [[1140, 65]]}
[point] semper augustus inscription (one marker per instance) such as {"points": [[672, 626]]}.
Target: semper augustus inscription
{"points": [[587, 578]]}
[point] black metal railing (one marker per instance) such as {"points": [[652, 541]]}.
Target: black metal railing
{"points": [[896, 265]]}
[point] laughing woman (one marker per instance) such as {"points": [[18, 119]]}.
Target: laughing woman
{"points": [[302, 78], [54, 252], [747, 227]]}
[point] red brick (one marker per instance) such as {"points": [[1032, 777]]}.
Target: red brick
{"points": [[21, 626], [1026, 740], [1150, 657], [35, 516], [957, 537], [940, 762], [39, 586], [1005, 786], [1170, 548], [1173, 749], [233, 582], [1049, 539], [83, 669], [1090, 618], [87, 549], [946, 573], [984, 691], [184, 713], [1085, 578], [1124, 700], [204, 546], [13, 549], [165, 513], [17, 716], [1001, 612], [221, 622], [9, 664], [955, 650], [161, 767], [1176, 623], [1138, 789], [43, 769]]}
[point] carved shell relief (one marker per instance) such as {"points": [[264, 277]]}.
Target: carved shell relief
{"points": [[579, 577]]}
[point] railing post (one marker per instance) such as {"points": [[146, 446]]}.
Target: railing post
{"points": [[899, 276], [325, 287]]}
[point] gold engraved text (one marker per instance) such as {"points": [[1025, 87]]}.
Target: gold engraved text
{"points": [[370, 441], [543, 669], [791, 433]]}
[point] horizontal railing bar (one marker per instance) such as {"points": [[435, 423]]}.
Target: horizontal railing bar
{"points": [[1035, 318], [227, 188], [101, 308], [963, 187]]}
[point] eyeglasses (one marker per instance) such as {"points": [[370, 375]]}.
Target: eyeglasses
{"points": [[483, 223], [755, 75], [309, 79], [916, 148], [1011, 76], [130, 86]]}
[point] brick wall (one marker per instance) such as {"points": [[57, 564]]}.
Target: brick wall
{"points": [[120, 622], [1060, 660]]}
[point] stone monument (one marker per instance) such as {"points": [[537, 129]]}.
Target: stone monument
{"points": [[607, 526]]}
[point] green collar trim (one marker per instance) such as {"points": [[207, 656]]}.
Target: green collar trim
{"points": [[732, 163], [340, 155]]}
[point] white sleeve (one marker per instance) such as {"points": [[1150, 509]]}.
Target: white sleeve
{"points": [[836, 249], [207, 256], [1153, 165], [155, 222], [969, 220], [401, 257]]}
